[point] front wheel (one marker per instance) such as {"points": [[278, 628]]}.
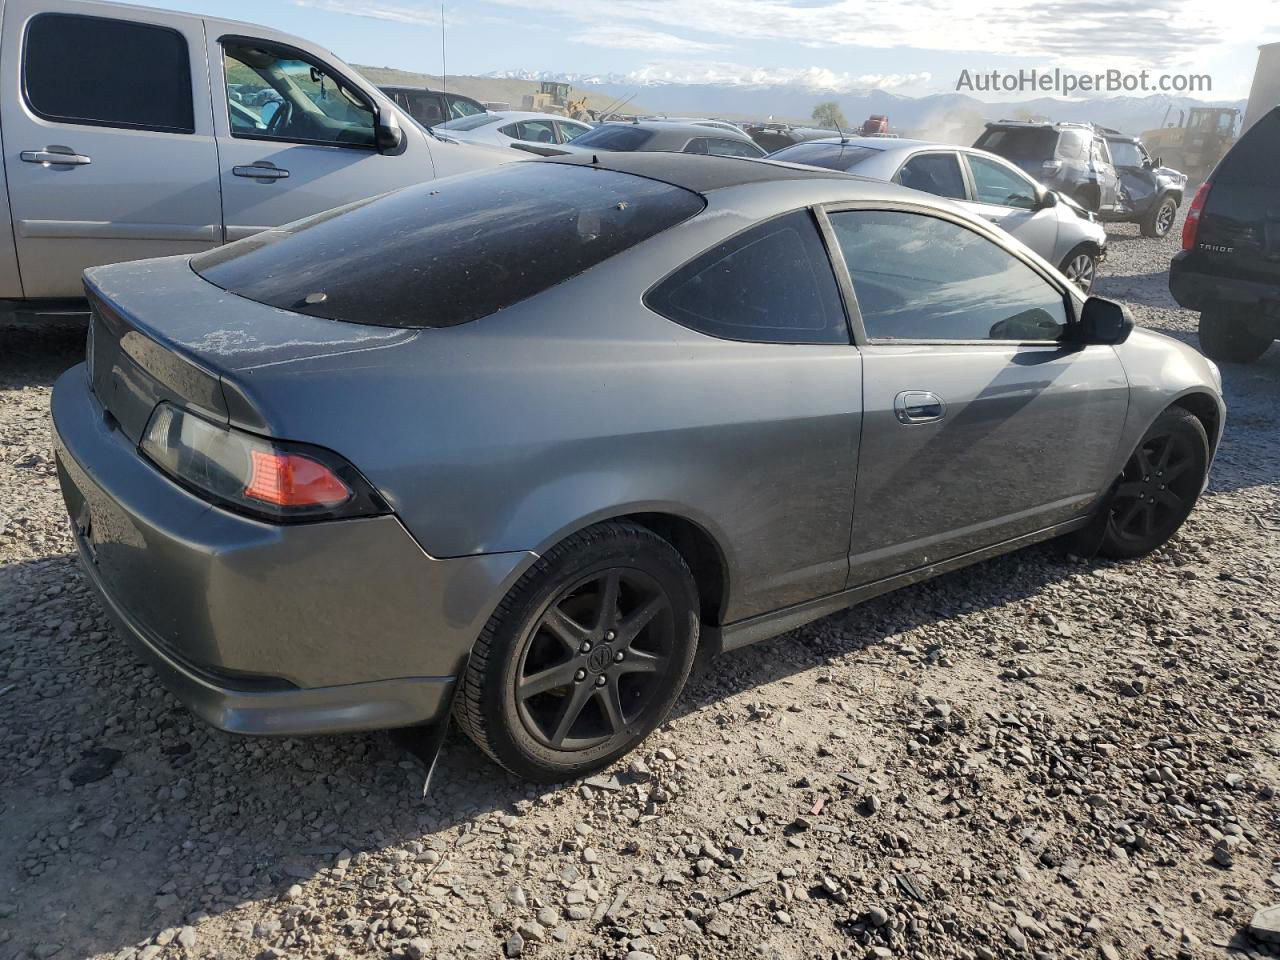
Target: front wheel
{"points": [[1158, 221], [584, 657], [1081, 268], [1159, 486]]}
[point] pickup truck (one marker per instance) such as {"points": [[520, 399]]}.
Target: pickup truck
{"points": [[128, 132]]}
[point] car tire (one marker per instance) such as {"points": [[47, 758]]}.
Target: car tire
{"points": [[1158, 487], [584, 656], [1080, 266], [1158, 221], [1225, 334]]}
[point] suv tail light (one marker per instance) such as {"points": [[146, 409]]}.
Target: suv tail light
{"points": [[1191, 225], [267, 479]]}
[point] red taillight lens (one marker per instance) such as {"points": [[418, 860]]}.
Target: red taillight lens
{"points": [[290, 480], [1191, 225], [276, 480]]}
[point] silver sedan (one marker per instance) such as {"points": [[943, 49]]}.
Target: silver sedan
{"points": [[1055, 227], [518, 443], [512, 128]]}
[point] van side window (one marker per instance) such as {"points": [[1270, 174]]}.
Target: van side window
{"points": [[108, 73], [274, 95]]}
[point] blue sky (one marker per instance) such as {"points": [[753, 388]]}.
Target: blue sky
{"points": [[912, 48]]}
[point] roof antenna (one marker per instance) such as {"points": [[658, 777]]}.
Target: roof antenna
{"points": [[594, 158], [843, 138]]}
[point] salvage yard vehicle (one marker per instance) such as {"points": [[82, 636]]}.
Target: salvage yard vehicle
{"points": [[696, 402], [1198, 144], [1101, 169], [657, 135], [130, 132], [1054, 227], [1229, 266], [512, 128]]}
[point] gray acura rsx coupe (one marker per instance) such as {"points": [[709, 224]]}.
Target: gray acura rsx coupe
{"points": [[516, 443]]}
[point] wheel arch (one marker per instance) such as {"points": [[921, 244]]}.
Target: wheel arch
{"points": [[1204, 407], [695, 539]]}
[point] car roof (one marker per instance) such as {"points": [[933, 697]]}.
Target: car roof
{"points": [[696, 172], [878, 143], [530, 115], [678, 126]]}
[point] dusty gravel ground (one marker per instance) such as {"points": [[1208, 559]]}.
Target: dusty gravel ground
{"points": [[1034, 756]]}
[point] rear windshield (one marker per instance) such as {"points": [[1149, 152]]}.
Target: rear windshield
{"points": [[1020, 143], [615, 136], [833, 156], [470, 122], [449, 251], [1252, 161]]}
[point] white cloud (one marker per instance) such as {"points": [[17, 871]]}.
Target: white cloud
{"points": [[818, 79], [632, 38], [420, 15]]}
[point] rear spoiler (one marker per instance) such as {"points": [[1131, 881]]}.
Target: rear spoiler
{"points": [[539, 150]]}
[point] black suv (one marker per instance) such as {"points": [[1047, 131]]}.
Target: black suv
{"points": [[1229, 267], [1101, 169]]}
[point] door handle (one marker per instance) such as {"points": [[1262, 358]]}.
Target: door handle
{"points": [[918, 406], [264, 171], [55, 157]]}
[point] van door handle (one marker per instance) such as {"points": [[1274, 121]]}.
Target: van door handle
{"points": [[264, 171], [918, 406], [55, 157]]}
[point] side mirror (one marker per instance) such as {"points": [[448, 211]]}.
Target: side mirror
{"points": [[1046, 200], [388, 136], [1103, 322]]}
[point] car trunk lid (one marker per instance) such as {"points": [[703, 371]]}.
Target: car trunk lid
{"points": [[159, 332]]}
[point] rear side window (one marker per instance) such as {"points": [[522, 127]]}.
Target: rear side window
{"points": [[923, 278], [1071, 145], [536, 131], [449, 251], [1020, 144], [1252, 161], [772, 283], [832, 156], [615, 136], [723, 147], [108, 73], [936, 173]]}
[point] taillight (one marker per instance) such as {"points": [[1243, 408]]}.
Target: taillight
{"points": [[1191, 225], [272, 480]]}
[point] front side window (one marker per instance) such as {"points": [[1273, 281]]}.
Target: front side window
{"points": [[918, 277], [936, 173], [108, 73], [272, 95], [772, 283], [1125, 154], [996, 184]]}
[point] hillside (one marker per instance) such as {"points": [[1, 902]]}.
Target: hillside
{"points": [[491, 89]]}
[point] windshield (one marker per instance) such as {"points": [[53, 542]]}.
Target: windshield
{"points": [[615, 136], [1020, 144], [452, 250], [833, 156], [470, 123]]}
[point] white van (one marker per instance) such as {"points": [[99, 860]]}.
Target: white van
{"points": [[128, 132]]}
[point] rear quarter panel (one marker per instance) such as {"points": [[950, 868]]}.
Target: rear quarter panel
{"points": [[510, 432]]}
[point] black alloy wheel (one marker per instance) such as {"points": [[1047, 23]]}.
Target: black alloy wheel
{"points": [[595, 659], [1159, 485], [584, 657]]}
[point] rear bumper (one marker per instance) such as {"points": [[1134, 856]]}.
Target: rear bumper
{"points": [[1195, 289], [267, 629]]}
